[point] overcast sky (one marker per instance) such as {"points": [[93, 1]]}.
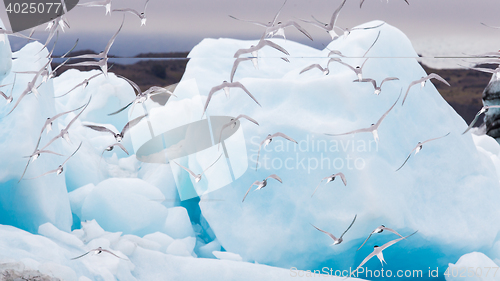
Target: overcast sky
{"points": [[435, 27]]}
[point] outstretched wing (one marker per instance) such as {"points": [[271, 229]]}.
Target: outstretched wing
{"points": [[274, 176], [341, 175], [131, 124], [255, 183], [81, 256], [349, 226], [239, 85], [311, 67], [326, 232], [365, 241], [279, 134]]}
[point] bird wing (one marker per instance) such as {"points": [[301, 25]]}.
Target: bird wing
{"points": [[109, 252], [277, 14], [365, 260], [274, 176], [131, 124], [435, 76], [326, 232], [336, 14], [388, 79], [133, 84], [390, 243], [318, 186], [63, 113], [406, 160], [387, 112], [365, 241], [186, 169], [311, 67], [48, 151], [342, 176], [374, 83], [24, 93], [212, 91], [490, 26], [376, 39], [250, 21], [122, 109], [412, 84], [279, 134], [361, 3], [112, 40], [78, 115], [276, 46], [429, 140], [83, 254], [370, 27], [72, 154], [473, 122], [392, 230], [99, 128], [211, 165], [235, 65], [49, 172], [349, 226], [363, 130], [248, 118], [255, 183], [85, 63], [121, 146], [146, 6], [239, 85], [299, 28], [132, 11], [3, 95]]}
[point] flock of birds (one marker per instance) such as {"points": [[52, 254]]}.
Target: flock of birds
{"points": [[271, 29]]}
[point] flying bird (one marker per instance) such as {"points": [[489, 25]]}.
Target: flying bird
{"points": [[118, 136], [358, 70], [64, 132], [237, 62], [422, 82], [374, 83], [328, 27], [141, 96], [97, 252], [379, 229], [102, 56], [266, 25], [377, 251], [59, 169], [373, 128], [261, 184], [484, 109], [104, 3], [279, 29], [418, 148], [262, 43], [232, 123], [331, 178], [325, 70], [226, 86], [142, 15], [197, 177], [84, 83], [346, 31], [268, 140], [335, 239], [9, 98]]}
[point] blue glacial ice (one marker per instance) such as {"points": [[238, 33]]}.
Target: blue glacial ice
{"points": [[448, 192]]}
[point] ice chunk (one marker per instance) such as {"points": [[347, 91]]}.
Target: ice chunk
{"points": [[474, 266], [177, 224], [182, 247], [449, 174], [125, 205], [227, 256]]}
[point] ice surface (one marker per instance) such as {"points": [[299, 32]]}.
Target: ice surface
{"points": [[5, 55], [446, 177], [474, 266]]}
